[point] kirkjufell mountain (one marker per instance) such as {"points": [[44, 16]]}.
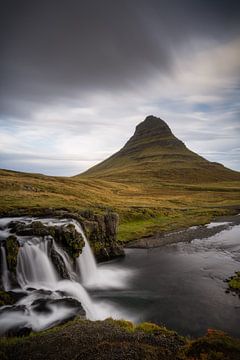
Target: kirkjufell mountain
{"points": [[153, 153]]}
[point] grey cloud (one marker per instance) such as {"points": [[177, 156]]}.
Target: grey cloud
{"points": [[60, 58], [51, 49]]}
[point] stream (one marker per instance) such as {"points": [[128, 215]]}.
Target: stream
{"points": [[180, 286]]}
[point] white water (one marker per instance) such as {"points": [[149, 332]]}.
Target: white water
{"points": [[34, 267], [36, 274], [100, 277]]}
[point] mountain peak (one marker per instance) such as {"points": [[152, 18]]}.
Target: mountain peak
{"points": [[153, 125], [155, 154], [152, 132]]}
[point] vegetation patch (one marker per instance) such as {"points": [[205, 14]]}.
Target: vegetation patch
{"points": [[234, 283], [6, 298], [12, 248]]}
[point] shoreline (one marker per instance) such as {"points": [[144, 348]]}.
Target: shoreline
{"points": [[185, 235]]}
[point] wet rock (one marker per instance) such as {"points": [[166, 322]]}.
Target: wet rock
{"points": [[59, 264], [43, 292], [69, 239], [12, 248], [45, 306], [101, 231], [41, 306], [15, 308], [6, 298], [36, 228]]}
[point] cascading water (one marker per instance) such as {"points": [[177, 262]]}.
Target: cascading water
{"points": [[33, 267], [41, 287]]}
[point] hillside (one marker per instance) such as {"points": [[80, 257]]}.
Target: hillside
{"points": [[154, 153], [155, 184]]}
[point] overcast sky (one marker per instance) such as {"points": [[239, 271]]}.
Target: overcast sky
{"points": [[77, 76]]}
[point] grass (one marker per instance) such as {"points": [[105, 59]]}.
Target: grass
{"points": [[144, 208], [119, 339]]}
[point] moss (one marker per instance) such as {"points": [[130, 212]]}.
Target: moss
{"points": [[124, 324], [148, 327], [6, 298], [12, 248], [234, 282], [72, 241], [216, 345]]}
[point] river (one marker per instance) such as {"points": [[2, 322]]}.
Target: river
{"points": [[182, 285]]}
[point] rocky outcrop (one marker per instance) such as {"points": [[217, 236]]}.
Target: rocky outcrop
{"points": [[59, 264], [12, 247], [101, 231], [69, 239]]}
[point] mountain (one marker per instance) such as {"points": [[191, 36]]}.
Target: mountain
{"points": [[154, 153]]}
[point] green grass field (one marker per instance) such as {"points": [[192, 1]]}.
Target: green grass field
{"points": [[144, 208]]}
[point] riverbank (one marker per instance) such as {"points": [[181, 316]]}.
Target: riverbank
{"points": [[118, 340], [186, 235]]}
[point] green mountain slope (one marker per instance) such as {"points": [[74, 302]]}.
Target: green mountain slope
{"points": [[154, 153]]}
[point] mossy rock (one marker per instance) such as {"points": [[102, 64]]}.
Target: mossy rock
{"points": [[70, 239], [234, 282], [6, 298], [216, 345], [12, 248]]}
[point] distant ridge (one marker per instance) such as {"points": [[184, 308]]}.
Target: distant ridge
{"points": [[154, 153]]}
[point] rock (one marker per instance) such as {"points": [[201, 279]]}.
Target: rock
{"points": [[101, 231], [6, 298], [12, 247], [15, 308], [18, 331], [36, 228], [70, 240], [59, 264], [44, 306]]}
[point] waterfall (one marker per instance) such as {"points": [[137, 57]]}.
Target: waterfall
{"points": [[41, 284], [86, 262], [66, 260], [4, 270], [33, 265]]}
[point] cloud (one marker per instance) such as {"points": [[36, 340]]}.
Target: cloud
{"points": [[76, 78]]}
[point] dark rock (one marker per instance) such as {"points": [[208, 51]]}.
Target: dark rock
{"points": [[41, 306], [12, 247], [18, 331], [15, 308], [6, 298], [43, 292], [36, 228], [101, 231], [59, 264], [30, 289], [70, 240], [44, 305]]}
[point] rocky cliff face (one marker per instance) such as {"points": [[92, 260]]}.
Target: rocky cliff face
{"points": [[101, 231]]}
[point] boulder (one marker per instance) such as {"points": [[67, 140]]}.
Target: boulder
{"points": [[70, 240], [101, 231]]}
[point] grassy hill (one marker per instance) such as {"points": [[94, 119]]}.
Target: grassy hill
{"points": [[155, 183], [153, 153]]}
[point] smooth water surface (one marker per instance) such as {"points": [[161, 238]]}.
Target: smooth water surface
{"points": [[182, 285]]}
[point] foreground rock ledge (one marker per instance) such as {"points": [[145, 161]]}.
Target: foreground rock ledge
{"points": [[116, 340]]}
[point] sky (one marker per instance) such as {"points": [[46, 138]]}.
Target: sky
{"points": [[77, 76]]}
